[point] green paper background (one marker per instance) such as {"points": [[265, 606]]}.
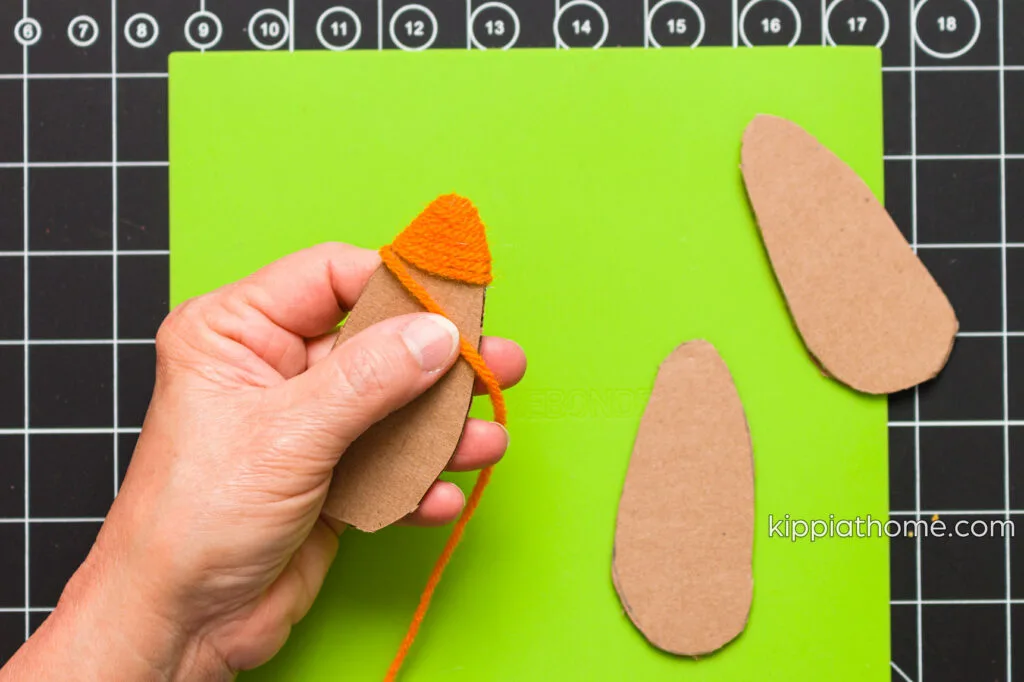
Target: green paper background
{"points": [[619, 227]]}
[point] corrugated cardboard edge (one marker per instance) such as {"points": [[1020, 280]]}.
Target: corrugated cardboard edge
{"points": [[865, 305], [384, 474], [683, 552]]}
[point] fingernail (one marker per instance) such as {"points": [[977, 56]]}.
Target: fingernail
{"points": [[432, 340], [508, 439]]}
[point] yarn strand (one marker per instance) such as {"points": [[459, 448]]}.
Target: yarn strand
{"points": [[397, 267]]}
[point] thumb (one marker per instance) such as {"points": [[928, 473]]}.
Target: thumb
{"points": [[369, 376]]}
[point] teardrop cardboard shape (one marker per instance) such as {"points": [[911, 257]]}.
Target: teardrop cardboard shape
{"points": [[685, 529], [864, 303], [384, 474]]}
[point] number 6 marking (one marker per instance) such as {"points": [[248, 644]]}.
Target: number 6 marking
{"points": [[28, 31]]}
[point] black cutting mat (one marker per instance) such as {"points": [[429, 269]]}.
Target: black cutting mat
{"points": [[83, 256]]}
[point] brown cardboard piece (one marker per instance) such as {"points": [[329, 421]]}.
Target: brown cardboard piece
{"points": [[685, 529], [865, 305], [383, 475]]}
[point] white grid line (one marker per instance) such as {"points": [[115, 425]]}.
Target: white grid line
{"points": [[954, 512], [69, 431], [957, 423], [900, 672], [291, 25], [76, 342], [824, 27], [953, 602], [966, 245], [558, 6], [952, 157], [86, 252], [953, 67], [25, 217], [113, 232], [75, 76], [735, 23], [166, 252], [55, 519], [84, 164], [919, 617], [646, 23], [1000, 30], [987, 335], [99, 75], [34, 609]]}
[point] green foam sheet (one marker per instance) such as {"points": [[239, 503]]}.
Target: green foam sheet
{"points": [[619, 227]]}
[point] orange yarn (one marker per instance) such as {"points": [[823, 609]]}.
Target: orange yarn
{"points": [[446, 239]]}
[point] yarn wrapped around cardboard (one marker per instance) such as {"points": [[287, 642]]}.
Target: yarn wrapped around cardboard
{"points": [[384, 474]]}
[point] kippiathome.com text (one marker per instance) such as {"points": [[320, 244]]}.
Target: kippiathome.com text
{"points": [[794, 529]]}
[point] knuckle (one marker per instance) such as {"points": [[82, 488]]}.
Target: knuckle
{"points": [[178, 333], [174, 325]]}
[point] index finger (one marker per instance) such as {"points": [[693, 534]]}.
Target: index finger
{"points": [[305, 294], [308, 292]]}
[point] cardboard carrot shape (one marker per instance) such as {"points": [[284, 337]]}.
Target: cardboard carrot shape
{"points": [[685, 528], [441, 263], [867, 308]]}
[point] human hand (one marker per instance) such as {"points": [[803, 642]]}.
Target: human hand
{"points": [[215, 546]]}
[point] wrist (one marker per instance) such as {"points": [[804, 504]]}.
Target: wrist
{"points": [[134, 615], [112, 623], [123, 625]]}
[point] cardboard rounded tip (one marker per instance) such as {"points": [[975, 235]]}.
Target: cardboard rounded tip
{"points": [[766, 128], [447, 238], [695, 346], [932, 355], [769, 122]]}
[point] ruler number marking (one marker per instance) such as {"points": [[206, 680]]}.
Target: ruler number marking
{"points": [[677, 26], [415, 28]]}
